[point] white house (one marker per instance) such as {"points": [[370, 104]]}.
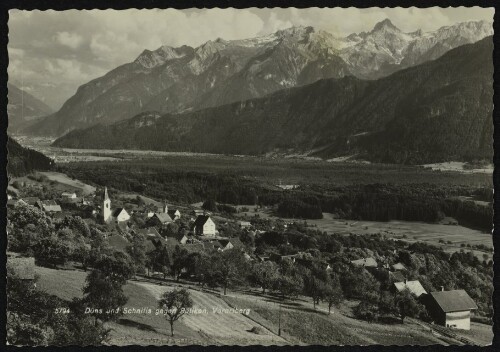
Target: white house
{"points": [[204, 226], [120, 215], [68, 195]]}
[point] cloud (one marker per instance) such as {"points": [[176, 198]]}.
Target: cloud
{"points": [[71, 40]]}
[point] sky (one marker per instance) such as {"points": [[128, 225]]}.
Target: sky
{"points": [[51, 53]]}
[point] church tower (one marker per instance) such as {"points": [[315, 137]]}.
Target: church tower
{"points": [[106, 206], [165, 207]]}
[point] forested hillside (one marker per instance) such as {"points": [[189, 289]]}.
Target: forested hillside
{"points": [[434, 112], [22, 161]]}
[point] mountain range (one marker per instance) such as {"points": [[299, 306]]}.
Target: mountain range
{"points": [[435, 111], [220, 72], [23, 109]]}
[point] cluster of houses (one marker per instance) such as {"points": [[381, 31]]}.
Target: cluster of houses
{"points": [[450, 308], [203, 234]]}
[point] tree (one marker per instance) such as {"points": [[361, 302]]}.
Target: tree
{"points": [[288, 285], [52, 251], [315, 288], [407, 305], [179, 261], [229, 267], [174, 305], [264, 273], [103, 289], [160, 260], [332, 294], [137, 251], [210, 205]]}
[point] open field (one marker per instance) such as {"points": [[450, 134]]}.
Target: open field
{"points": [[68, 182], [145, 329], [403, 230], [300, 322], [223, 328]]}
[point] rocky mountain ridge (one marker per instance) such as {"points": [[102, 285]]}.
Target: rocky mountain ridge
{"points": [[175, 80]]}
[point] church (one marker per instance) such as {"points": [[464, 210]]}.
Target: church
{"points": [[109, 216]]}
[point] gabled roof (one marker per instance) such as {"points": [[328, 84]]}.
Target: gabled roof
{"points": [[398, 266], [365, 262], [31, 200], [117, 212], [23, 267], [397, 276], [49, 202], [453, 301], [201, 220], [163, 217], [415, 287]]}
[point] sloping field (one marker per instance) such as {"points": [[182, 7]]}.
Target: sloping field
{"points": [[311, 326], [65, 180], [222, 328], [130, 329]]}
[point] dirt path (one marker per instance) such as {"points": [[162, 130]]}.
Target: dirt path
{"points": [[223, 327]]}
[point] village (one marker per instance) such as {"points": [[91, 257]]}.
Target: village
{"points": [[180, 241]]}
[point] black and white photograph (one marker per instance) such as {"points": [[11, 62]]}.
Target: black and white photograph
{"points": [[254, 176]]}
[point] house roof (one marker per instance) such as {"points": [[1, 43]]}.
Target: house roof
{"points": [[163, 217], [117, 212], [49, 202], [150, 231], [173, 211], [31, 200], [415, 287], [397, 276], [201, 220], [398, 266], [365, 262], [68, 194], [453, 301], [23, 267]]}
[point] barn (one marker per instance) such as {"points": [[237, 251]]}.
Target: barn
{"points": [[451, 308]]}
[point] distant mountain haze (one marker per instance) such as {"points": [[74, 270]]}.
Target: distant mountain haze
{"points": [[437, 111], [23, 109], [184, 79]]}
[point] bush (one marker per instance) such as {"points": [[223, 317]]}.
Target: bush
{"points": [[366, 311]]}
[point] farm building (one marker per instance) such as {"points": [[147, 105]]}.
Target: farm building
{"points": [[204, 226], [159, 219], [174, 214], [222, 245], [398, 266], [414, 286], [365, 262], [396, 276], [34, 201], [244, 224], [179, 238], [50, 206], [148, 232], [68, 195], [451, 308]]}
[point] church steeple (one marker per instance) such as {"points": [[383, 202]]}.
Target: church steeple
{"points": [[106, 206]]}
